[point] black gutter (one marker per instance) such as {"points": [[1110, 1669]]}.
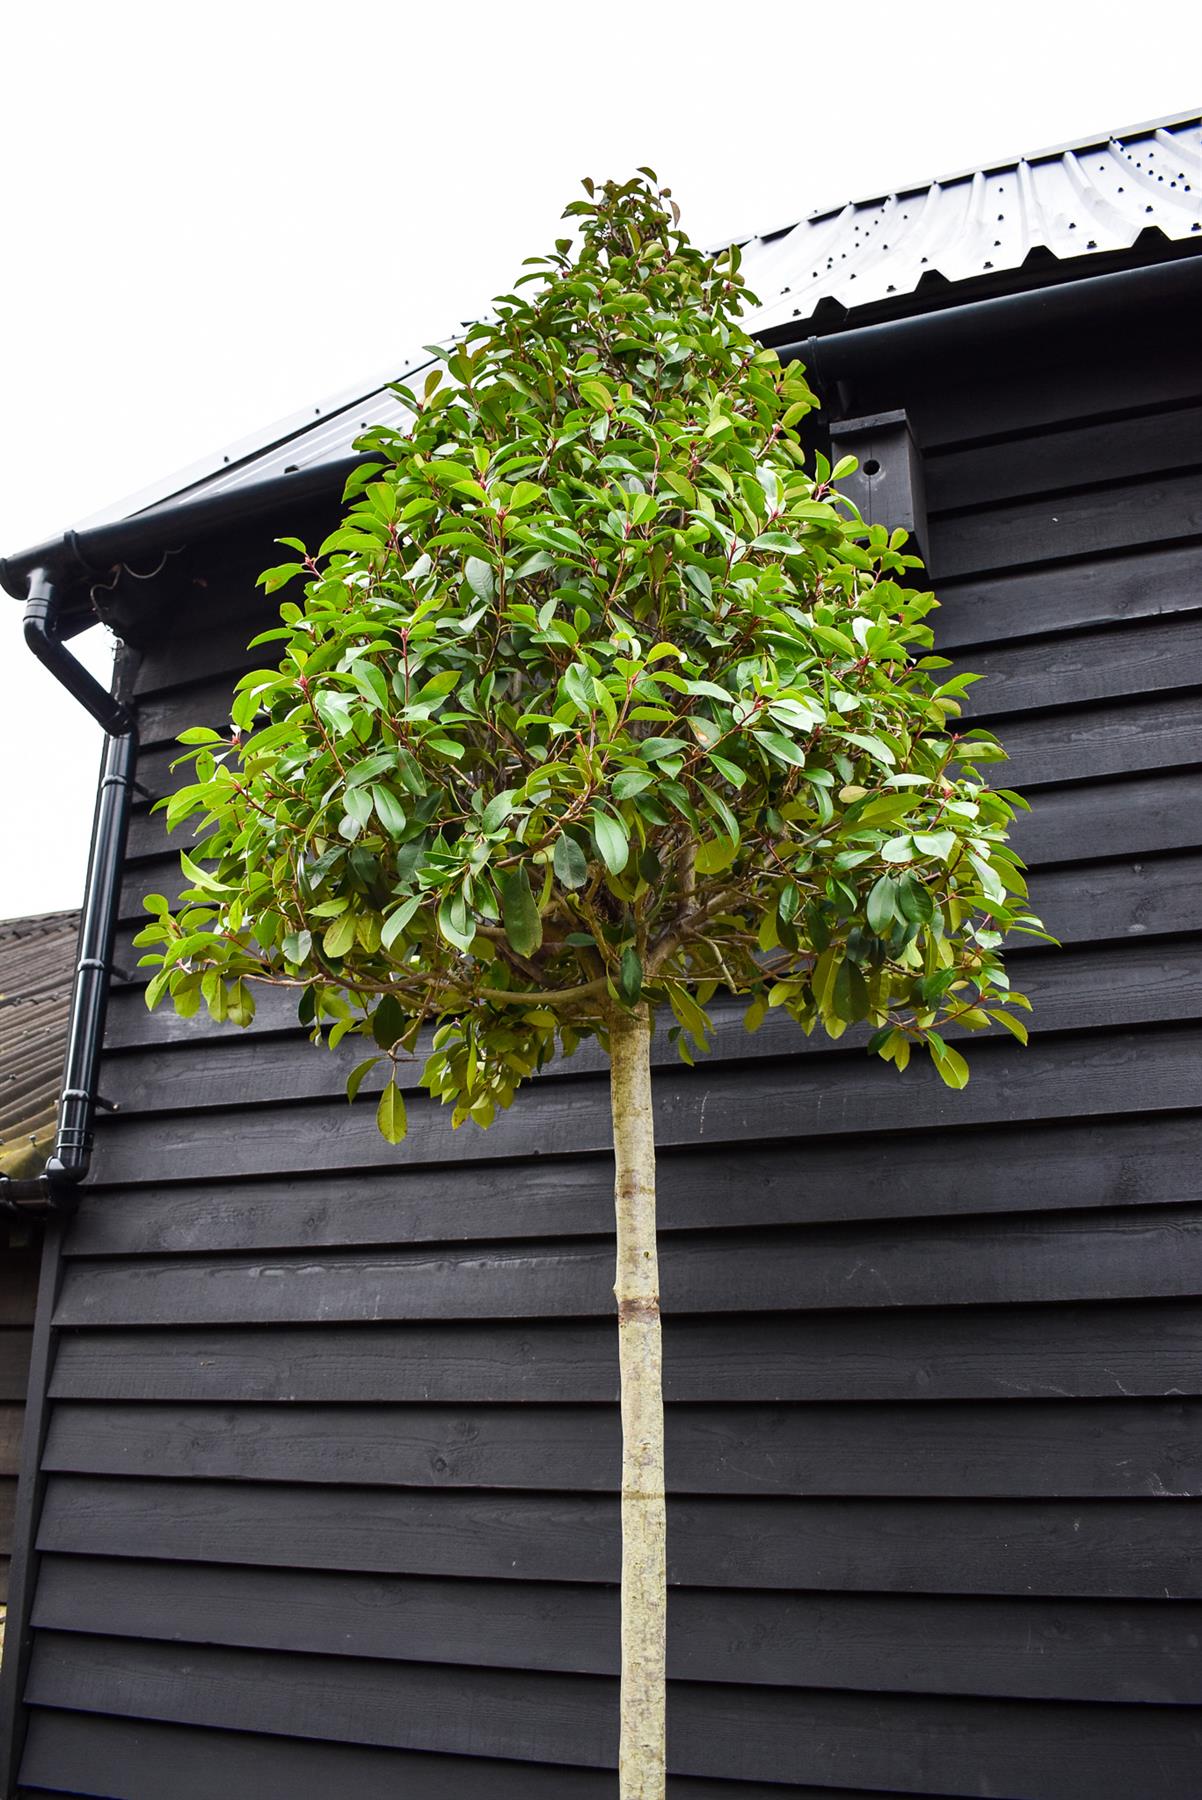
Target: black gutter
{"points": [[89, 556], [55, 1190], [1119, 300], [85, 557]]}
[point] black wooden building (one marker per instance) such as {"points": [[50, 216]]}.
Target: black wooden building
{"points": [[319, 1487]]}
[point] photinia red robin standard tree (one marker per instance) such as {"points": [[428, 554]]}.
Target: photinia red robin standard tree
{"points": [[600, 702]]}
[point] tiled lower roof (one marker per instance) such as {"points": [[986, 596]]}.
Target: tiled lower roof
{"points": [[37, 959]]}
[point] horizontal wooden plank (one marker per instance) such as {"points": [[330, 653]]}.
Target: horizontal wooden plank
{"points": [[82, 1753], [1048, 379], [86, 1753], [1127, 1651], [1101, 1548], [1079, 990], [1067, 1076], [1047, 1750], [18, 1286], [1090, 743], [940, 1354], [1043, 1449], [1120, 1253], [14, 1362], [1046, 461], [1110, 819], [1120, 588], [1110, 902], [1155, 509], [1052, 1166], [1079, 669]]}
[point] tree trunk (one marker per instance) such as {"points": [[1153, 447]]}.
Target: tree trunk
{"points": [[644, 1515]]}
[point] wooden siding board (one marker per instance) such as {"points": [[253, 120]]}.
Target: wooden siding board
{"points": [[1046, 461], [1085, 667], [1085, 522], [1028, 1648], [1088, 1549], [1133, 1072], [1045, 1449], [1058, 1166], [978, 613], [986, 1353], [81, 1753], [1017, 1259], [770, 1734]]}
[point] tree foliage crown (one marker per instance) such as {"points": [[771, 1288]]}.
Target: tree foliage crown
{"points": [[597, 697]]}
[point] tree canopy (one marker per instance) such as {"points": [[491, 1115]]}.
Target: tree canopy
{"points": [[600, 695]]}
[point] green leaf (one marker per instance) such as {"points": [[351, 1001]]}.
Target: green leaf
{"points": [[571, 865], [390, 1114], [631, 782], [630, 976], [498, 810], [715, 855], [454, 923], [952, 1068], [389, 811], [354, 1080], [1014, 1026], [396, 922], [613, 845], [339, 936], [297, 945], [915, 902], [519, 911], [880, 908], [388, 1022], [480, 578]]}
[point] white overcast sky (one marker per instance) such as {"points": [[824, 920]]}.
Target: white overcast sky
{"points": [[216, 215]]}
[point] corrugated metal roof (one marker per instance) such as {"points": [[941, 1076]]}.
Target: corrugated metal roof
{"points": [[37, 961], [1078, 201], [1081, 201]]}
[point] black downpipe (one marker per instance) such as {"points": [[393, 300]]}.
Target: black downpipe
{"points": [[55, 1190]]}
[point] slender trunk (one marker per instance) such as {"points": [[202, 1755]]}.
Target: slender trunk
{"points": [[644, 1515]]}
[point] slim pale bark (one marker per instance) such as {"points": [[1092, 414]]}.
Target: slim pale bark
{"points": [[644, 1515]]}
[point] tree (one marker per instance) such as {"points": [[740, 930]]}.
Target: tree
{"points": [[599, 703]]}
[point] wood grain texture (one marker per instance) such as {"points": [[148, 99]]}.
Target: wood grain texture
{"points": [[983, 1353], [1081, 668], [1131, 586], [1045, 1449], [1121, 1253], [1092, 1549], [1126, 1652], [1081, 522], [1057, 1166], [761, 1733], [1047, 461], [81, 1753]]}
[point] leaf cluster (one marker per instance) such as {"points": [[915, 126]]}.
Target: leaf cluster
{"points": [[600, 694]]}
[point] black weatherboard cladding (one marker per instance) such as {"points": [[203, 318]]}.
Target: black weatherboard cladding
{"points": [[332, 1441]]}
